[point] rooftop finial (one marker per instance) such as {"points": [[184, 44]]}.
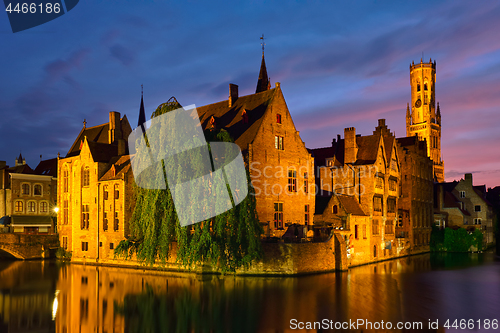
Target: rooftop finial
{"points": [[142, 90], [84, 123], [262, 43]]}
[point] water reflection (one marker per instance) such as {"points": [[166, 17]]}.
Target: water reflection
{"points": [[104, 299]]}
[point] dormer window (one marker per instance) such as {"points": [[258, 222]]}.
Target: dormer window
{"points": [[278, 118]]}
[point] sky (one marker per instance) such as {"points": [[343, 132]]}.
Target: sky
{"points": [[340, 64]]}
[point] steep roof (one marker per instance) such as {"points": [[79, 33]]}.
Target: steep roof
{"points": [[242, 129], [120, 165], [47, 167], [367, 149], [351, 205], [97, 134], [102, 152], [21, 169]]}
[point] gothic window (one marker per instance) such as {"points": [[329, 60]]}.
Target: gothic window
{"points": [[425, 86], [418, 87], [278, 215], [292, 181], [86, 177], [65, 212], [37, 189], [377, 204], [65, 180]]}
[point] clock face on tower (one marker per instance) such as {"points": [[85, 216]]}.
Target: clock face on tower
{"points": [[418, 103]]}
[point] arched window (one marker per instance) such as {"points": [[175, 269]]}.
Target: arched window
{"points": [[44, 207], [335, 209], [86, 176], [19, 206], [418, 87], [425, 86], [25, 189], [65, 179], [37, 189], [117, 192], [105, 194], [31, 207]]}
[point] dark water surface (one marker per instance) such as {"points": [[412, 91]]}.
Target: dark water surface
{"points": [[46, 296]]}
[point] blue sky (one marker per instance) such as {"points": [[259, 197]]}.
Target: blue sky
{"points": [[340, 64]]}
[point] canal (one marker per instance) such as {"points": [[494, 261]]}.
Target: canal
{"points": [[47, 296]]}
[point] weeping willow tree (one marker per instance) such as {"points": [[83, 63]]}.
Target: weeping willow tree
{"points": [[227, 241]]}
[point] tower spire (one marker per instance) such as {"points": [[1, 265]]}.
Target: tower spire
{"points": [[263, 83], [142, 113]]}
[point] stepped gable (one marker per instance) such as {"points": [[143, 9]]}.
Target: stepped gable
{"points": [[230, 118]]}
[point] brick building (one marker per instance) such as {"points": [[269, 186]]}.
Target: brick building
{"points": [[367, 168], [95, 190], [461, 204], [281, 168], [28, 197], [415, 206]]}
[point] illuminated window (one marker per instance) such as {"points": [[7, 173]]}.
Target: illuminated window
{"points": [[37, 189], [19, 206], [278, 215], [44, 207], [31, 207], [86, 177], [278, 142]]}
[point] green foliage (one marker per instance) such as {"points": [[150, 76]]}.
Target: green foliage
{"points": [[456, 240], [227, 241], [63, 254]]}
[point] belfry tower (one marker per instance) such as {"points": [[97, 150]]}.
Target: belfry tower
{"points": [[422, 117]]}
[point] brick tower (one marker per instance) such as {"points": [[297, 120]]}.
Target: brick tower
{"points": [[422, 117]]}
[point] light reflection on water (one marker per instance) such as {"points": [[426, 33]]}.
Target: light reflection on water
{"points": [[106, 299]]}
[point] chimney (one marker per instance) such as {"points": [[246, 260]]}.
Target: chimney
{"points": [[233, 94], [115, 131], [468, 178], [350, 145], [381, 122]]}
